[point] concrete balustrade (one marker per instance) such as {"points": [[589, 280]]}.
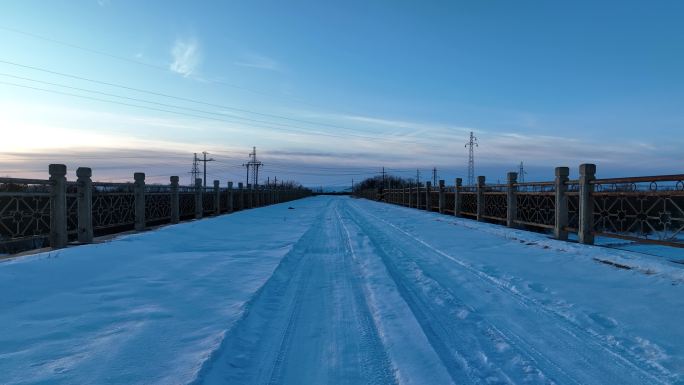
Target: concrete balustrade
{"points": [[85, 204], [511, 201], [417, 197], [480, 197], [561, 200], [199, 192], [71, 208], [175, 200], [139, 194], [58, 206]]}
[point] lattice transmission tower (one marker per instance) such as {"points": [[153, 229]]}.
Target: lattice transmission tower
{"points": [[254, 165], [195, 172], [472, 143], [521, 173]]}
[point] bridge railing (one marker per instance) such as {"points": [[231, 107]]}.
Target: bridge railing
{"points": [[53, 212], [643, 209]]}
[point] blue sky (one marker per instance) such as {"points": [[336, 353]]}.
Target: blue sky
{"points": [[328, 91]]}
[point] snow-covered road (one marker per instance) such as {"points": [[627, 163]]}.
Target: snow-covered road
{"points": [[340, 291]]}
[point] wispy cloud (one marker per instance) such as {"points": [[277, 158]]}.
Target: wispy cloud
{"points": [[262, 62], [103, 3], [186, 56]]}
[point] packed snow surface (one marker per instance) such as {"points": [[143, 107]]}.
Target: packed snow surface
{"points": [[340, 291]]}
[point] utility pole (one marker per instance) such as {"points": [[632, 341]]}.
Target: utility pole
{"points": [[521, 173], [417, 178], [194, 172], [383, 178], [205, 160], [472, 143], [434, 176]]}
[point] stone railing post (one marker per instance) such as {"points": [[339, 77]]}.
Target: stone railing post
{"points": [[480, 197], [418, 196], [428, 201], [410, 196], [199, 208], [511, 201], [458, 182], [256, 191], [249, 196], [254, 197], [217, 197], [241, 196], [139, 194], [561, 209], [585, 232], [175, 199], [58, 206], [441, 196], [229, 204], [85, 204]]}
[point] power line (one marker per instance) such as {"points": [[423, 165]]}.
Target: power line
{"points": [[188, 114], [277, 124], [110, 84], [153, 66]]}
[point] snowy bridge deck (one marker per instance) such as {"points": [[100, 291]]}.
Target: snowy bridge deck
{"points": [[340, 291]]}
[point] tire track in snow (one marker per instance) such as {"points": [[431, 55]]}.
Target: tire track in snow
{"points": [[413, 358], [372, 349], [290, 324], [220, 365], [621, 357], [455, 340]]}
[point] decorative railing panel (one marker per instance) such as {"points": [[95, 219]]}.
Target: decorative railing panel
{"points": [[157, 207], [536, 209], [434, 200], [208, 204], [72, 214], [186, 204], [224, 200], [468, 203], [449, 201], [495, 205], [24, 215], [113, 209], [24, 209], [573, 211], [237, 196], [646, 208]]}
